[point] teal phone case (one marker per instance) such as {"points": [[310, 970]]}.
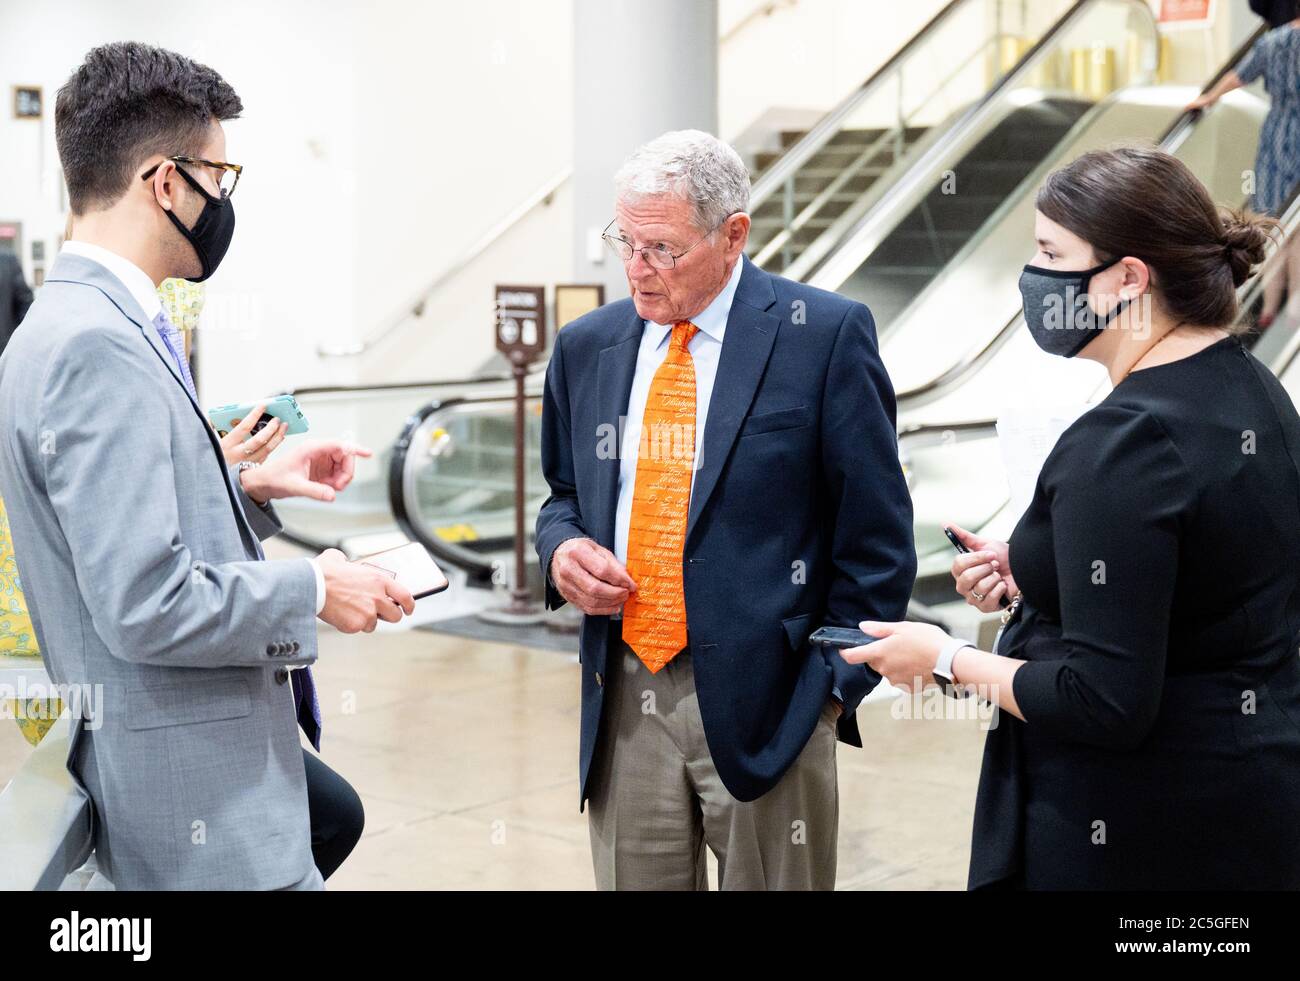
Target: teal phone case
{"points": [[283, 407]]}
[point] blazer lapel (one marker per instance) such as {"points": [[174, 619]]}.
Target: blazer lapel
{"points": [[615, 367], [746, 346], [75, 269]]}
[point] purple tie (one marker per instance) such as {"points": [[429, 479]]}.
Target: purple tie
{"points": [[172, 338], [307, 704]]}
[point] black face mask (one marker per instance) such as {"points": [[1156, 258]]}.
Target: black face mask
{"points": [[211, 234], [1057, 311]]}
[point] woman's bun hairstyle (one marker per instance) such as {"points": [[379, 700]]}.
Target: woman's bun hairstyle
{"points": [[1245, 242]]}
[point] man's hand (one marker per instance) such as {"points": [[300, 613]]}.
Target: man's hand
{"points": [[237, 446], [318, 469], [590, 577], [358, 595]]}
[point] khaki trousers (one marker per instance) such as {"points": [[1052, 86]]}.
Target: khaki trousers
{"points": [[656, 799]]}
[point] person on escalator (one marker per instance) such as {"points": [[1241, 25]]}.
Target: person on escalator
{"points": [[1146, 678], [137, 546], [1275, 57], [1275, 12]]}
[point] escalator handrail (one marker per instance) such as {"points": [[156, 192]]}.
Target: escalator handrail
{"points": [[920, 172], [814, 207], [1290, 225], [314, 390], [825, 128], [474, 565], [544, 195], [1181, 127], [924, 429]]}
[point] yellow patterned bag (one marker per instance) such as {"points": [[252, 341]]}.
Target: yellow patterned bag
{"points": [[35, 716]]}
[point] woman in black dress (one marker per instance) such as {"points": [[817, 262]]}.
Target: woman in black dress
{"points": [[1147, 677]]}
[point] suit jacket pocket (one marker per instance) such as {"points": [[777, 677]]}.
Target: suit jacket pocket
{"points": [[797, 629], [180, 705], [771, 422]]}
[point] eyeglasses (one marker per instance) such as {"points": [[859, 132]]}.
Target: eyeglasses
{"points": [[658, 256], [228, 180]]}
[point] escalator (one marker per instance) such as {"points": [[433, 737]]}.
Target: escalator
{"points": [[442, 474], [916, 160], [819, 181], [958, 338], [927, 253]]}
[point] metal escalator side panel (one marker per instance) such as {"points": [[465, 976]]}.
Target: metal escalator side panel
{"points": [[464, 517]]}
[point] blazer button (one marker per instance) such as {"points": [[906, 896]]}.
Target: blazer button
{"points": [[600, 682], [281, 675], [270, 650], [294, 647]]}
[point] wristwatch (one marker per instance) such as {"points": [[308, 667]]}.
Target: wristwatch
{"points": [[943, 667]]}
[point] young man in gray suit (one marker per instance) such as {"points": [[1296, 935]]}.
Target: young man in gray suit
{"points": [[137, 547]]}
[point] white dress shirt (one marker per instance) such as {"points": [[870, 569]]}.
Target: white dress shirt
{"points": [[705, 350], [145, 293], [135, 279]]}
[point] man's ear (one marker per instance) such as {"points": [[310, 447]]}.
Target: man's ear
{"points": [[737, 231], [163, 185]]}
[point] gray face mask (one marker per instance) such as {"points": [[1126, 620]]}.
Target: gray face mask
{"points": [[1057, 311]]}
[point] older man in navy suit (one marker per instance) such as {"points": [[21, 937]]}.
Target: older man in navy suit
{"points": [[724, 476]]}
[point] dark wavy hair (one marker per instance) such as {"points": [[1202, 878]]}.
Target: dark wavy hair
{"points": [[126, 103]]}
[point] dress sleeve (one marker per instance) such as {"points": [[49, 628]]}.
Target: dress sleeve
{"points": [[1256, 60], [1120, 495]]}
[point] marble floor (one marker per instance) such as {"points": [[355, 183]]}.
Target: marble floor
{"points": [[464, 753]]}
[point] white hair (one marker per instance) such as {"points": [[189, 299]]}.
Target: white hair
{"points": [[692, 165]]}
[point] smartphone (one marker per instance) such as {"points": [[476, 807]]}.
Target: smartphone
{"points": [[957, 544], [282, 407], [841, 637], [412, 566]]}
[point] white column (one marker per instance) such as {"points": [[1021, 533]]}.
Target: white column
{"points": [[641, 68]]}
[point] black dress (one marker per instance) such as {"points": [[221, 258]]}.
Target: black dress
{"points": [[1159, 563]]}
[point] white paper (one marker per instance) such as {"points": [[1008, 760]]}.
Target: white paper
{"points": [[1026, 437]]}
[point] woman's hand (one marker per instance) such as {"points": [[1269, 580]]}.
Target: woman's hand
{"points": [[983, 575], [260, 446], [905, 655], [1201, 102]]}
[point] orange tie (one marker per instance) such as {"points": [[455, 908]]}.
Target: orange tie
{"points": [[654, 617]]}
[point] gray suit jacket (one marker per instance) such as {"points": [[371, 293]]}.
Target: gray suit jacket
{"points": [[140, 558]]}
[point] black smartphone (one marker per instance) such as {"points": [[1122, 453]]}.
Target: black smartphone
{"points": [[960, 547], [841, 637], [956, 542]]}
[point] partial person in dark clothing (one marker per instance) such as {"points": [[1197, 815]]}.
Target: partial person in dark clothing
{"points": [[1149, 690], [1275, 12], [15, 296]]}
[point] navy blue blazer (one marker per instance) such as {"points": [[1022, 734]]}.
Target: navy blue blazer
{"points": [[799, 516]]}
